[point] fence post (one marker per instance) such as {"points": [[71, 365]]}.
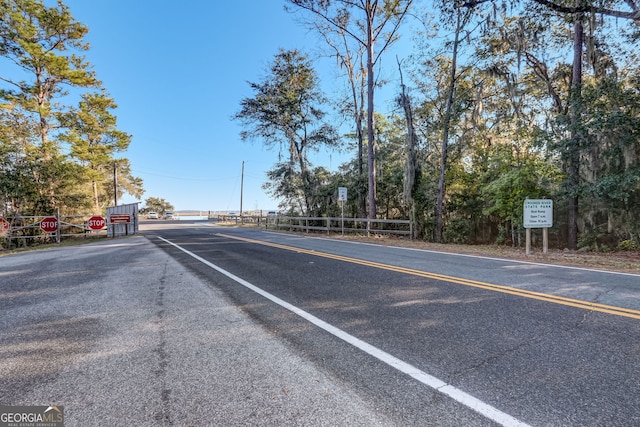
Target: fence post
{"points": [[59, 225]]}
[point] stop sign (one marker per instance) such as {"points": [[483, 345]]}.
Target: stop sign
{"points": [[96, 223], [49, 224]]}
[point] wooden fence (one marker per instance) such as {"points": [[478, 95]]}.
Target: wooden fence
{"points": [[340, 225], [15, 231]]}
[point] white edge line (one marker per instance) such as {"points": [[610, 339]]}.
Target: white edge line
{"points": [[456, 394], [515, 261]]}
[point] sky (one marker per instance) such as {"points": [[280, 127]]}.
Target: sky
{"points": [[178, 71]]}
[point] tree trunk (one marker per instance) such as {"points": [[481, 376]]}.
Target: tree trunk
{"points": [[573, 158], [371, 139], [411, 165], [358, 103], [445, 132], [96, 200]]}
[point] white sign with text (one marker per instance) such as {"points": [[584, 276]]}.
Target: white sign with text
{"points": [[342, 194], [538, 213]]}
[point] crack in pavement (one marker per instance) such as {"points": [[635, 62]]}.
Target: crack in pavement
{"points": [[164, 414]]}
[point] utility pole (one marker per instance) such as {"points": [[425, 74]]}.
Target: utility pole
{"points": [[115, 184], [241, 187]]}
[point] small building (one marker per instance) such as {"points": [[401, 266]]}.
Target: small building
{"points": [[122, 220]]}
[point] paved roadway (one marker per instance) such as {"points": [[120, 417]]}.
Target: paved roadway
{"points": [[199, 325]]}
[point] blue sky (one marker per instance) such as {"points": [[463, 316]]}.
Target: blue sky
{"points": [[177, 71]]}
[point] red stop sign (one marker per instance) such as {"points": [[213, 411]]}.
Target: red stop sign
{"points": [[96, 223], [49, 224]]}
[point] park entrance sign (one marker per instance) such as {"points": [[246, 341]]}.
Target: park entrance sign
{"points": [[538, 213]]}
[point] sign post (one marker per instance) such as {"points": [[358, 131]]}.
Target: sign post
{"points": [[538, 214], [342, 196]]}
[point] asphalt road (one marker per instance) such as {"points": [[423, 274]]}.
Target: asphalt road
{"points": [[199, 325]]}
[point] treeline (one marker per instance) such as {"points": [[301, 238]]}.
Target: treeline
{"points": [[59, 139], [500, 101]]}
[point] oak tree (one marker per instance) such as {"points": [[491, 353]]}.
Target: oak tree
{"points": [[285, 111]]}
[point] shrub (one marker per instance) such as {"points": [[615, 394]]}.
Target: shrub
{"points": [[628, 245]]}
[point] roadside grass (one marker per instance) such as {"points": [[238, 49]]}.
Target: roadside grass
{"points": [[235, 224], [69, 241], [623, 261]]}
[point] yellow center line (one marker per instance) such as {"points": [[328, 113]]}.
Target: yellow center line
{"points": [[602, 308]]}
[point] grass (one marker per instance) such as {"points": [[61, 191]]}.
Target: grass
{"points": [[623, 261], [68, 241]]}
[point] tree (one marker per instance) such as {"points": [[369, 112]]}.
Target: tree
{"points": [[285, 110], [579, 12], [157, 204], [461, 18], [412, 169], [391, 166], [94, 139], [351, 59], [576, 140], [17, 163], [45, 46], [374, 21], [127, 182], [285, 184], [37, 39]]}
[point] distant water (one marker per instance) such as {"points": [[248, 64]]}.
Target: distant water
{"points": [[192, 217]]}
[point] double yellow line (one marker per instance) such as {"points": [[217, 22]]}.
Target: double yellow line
{"points": [[602, 308]]}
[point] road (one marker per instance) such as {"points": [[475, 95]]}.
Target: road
{"points": [[200, 325]]}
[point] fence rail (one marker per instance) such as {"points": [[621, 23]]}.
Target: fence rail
{"points": [[340, 225]]}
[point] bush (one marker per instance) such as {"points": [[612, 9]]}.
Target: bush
{"points": [[458, 231], [588, 241], [628, 245]]}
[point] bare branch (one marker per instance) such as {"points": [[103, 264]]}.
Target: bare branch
{"points": [[311, 7], [474, 3], [634, 15]]}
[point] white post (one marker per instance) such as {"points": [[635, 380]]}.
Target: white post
{"points": [[545, 240], [342, 218], [528, 243]]}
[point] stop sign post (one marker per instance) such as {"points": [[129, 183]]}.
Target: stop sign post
{"points": [[96, 223], [49, 224]]}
